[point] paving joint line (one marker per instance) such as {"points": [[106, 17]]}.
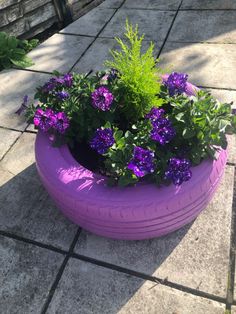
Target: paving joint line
{"points": [[232, 252], [219, 88], [231, 164], [32, 242], [169, 30], [115, 11], [164, 282], [34, 71], [60, 273], [16, 140], [10, 129]]}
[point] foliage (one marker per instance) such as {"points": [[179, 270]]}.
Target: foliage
{"points": [[203, 122], [13, 51], [133, 127], [139, 82]]}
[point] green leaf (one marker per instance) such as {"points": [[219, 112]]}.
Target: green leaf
{"points": [[223, 124], [179, 117], [107, 125], [121, 143], [118, 135], [6, 63], [12, 42], [56, 73], [23, 63], [188, 133], [127, 179]]}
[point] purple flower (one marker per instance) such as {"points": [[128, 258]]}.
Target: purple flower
{"points": [[48, 87], [62, 95], [61, 123], [176, 83], [52, 84], [233, 111], [142, 162], [162, 131], [155, 113], [44, 120], [23, 106], [68, 80], [178, 171], [102, 140], [102, 98]]}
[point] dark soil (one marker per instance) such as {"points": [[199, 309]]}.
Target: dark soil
{"points": [[87, 157]]}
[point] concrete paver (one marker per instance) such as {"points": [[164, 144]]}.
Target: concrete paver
{"points": [[111, 4], [26, 276], [196, 256], [26, 208], [99, 52], [106, 291], [14, 85], [91, 23], [202, 27], [7, 138], [152, 4], [209, 65], [59, 52], [154, 24], [189, 256], [209, 4]]}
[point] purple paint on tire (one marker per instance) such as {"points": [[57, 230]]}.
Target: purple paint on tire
{"points": [[131, 213]]}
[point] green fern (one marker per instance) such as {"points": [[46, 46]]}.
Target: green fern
{"points": [[138, 75]]}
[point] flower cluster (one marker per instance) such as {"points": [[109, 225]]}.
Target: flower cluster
{"points": [[142, 162], [102, 140], [62, 95], [48, 119], [162, 130], [178, 171], [176, 83], [102, 98], [54, 82]]}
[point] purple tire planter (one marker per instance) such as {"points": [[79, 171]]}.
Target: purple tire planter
{"points": [[131, 213]]}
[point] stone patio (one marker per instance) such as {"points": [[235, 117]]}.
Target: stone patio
{"points": [[48, 264]]}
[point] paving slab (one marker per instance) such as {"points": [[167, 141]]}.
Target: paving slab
{"points": [[59, 52], [196, 256], [99, 52], [31, 128], [209, 4], [85, 288], [14, 85], [204, 26], [90, 23], [224, 96], [26, 208], [153, 24], [233, 310], [26, 275], [153, 4], [111, 4], [7, 139], [208, 65]]}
